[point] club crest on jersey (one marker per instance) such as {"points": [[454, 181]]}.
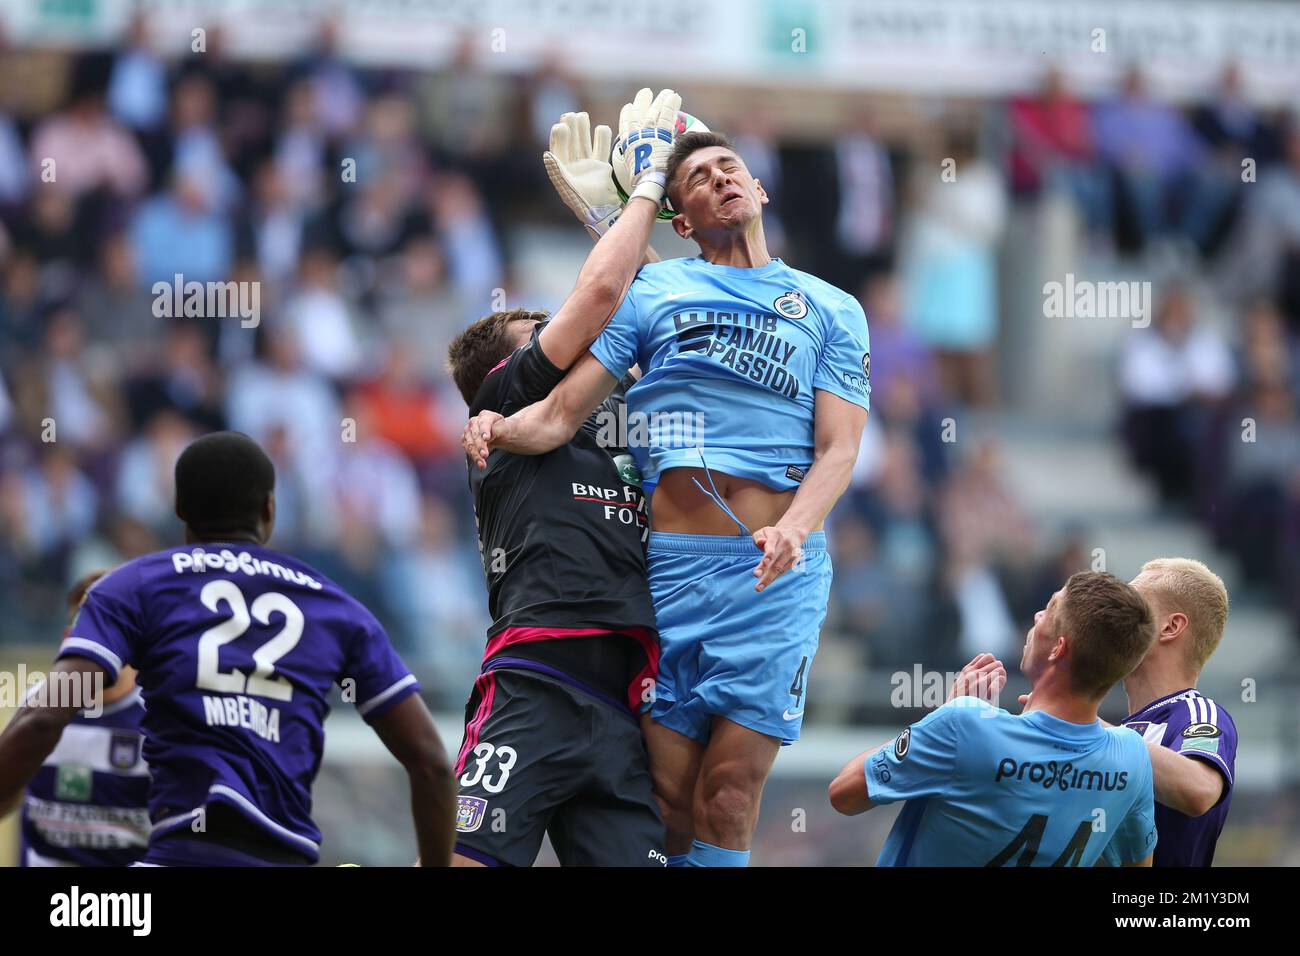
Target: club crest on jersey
{"points": [[124, 750], [469, 813], [791, 305]]}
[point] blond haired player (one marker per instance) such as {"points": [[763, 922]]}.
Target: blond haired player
{"points": [[1192, 740]]}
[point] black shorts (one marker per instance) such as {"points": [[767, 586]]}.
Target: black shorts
{"points": [[542, 757]]}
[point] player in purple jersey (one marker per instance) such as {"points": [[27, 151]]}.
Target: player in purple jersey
{"points": [[88, 804], [1192, 740], [237, 648]]}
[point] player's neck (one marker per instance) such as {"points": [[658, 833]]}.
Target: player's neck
{"points": [[746, 249], [234, 536], [1055, 698], [1153, 680]]}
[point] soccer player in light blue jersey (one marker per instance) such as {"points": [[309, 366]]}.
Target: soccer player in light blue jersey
{"points": [[1049, 787], [748, 418]]}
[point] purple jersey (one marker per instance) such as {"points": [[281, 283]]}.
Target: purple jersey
{"points": [[237, 647], [88, 804], [1191, 724]]}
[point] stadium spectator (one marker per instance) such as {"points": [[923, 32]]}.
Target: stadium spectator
{"points": [[1052, 148], [83, 149], [182, 232], [1169, 373], [137, 85], [864, 226], [949, 266], [1152, 151]]}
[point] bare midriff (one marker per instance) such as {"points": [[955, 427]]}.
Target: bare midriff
{"points": [[679, 506]]}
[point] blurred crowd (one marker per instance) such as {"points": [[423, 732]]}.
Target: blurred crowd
{"points": [[376, 209]]}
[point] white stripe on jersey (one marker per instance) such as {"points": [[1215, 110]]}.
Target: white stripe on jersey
{"points": [[1214, 712], [91, 747], [81, 643], [378, 699], [169, 823]]}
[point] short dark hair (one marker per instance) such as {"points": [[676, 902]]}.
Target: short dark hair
{"points": [[689, 143], [222, 482], [1110, 626], [481, 347]]}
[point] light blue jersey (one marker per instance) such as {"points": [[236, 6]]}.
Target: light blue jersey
{"points": [[988, 788], [730, 360]]}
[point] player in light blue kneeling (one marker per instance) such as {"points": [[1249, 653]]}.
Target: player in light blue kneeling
{"points": [[748, 417], [1049, 787]]}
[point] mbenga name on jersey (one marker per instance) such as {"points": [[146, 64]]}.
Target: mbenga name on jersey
{"points": [[246, 712]]}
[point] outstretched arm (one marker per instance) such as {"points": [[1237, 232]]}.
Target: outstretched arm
{"points": [[601, 285], [578, 165], [544, 425]]}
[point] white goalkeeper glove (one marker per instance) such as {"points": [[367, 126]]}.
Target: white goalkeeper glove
{"points": [[645, 138], [581, 174]]}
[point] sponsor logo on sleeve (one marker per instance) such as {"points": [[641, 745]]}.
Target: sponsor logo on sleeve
{"points": [[878, 768], [862, 384], [902, 743], [1202, 737]]}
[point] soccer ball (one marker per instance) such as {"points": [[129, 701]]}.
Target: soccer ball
{"points": [[622, 181]]}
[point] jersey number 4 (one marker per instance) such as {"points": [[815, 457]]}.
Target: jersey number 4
{"points": [[262, 682]]}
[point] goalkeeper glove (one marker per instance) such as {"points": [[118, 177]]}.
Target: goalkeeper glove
{"points": [[577, 166], [645, 139]]}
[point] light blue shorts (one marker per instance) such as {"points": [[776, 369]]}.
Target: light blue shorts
{"points": [[726, 649]]}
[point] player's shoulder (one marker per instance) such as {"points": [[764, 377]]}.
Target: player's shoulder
{"points": [[664, 276], [122, 581], [966, 711], [820, 291], [1128, 749], [1191, 707]]}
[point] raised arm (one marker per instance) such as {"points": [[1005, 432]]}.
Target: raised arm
{"points": [[581, 173], [601, 285], [544, 425]]}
